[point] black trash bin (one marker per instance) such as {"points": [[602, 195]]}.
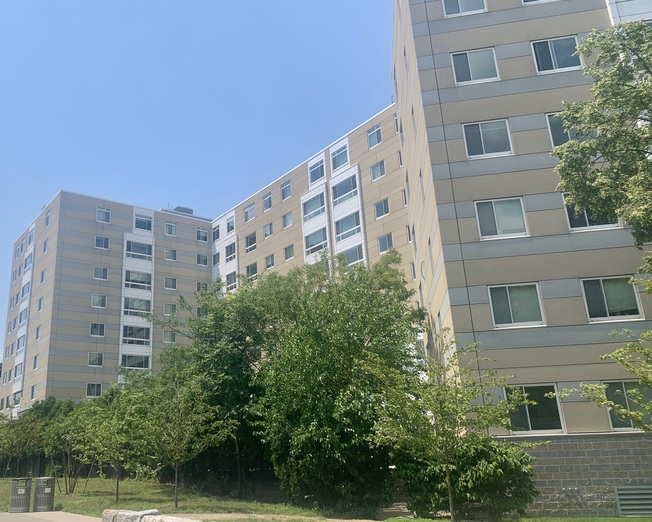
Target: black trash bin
{"points": [[21, 489], [44, 494]]}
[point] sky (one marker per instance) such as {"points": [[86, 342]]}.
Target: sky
{"points": [[159, 103]]}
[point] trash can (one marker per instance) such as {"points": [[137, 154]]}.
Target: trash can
{"points": [[44, 494], [21, 489]]}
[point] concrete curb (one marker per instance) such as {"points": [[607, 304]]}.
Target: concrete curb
{"points": [[151, 515]]}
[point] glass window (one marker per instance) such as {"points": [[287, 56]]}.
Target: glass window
{"points": [[43, 273], [627, 394], [230, 224], [139, 280], [347, 226], [98, 301], [586, 219], [47, 218], [250, 242], [137, 250], [385, 243], [559, 135], [288, 252], [170, 228], [475, 66], [459, 7], [169, 336], [45, 246], [316, 171], [314, 207], [93, 389], [378, 170], [610, 297], [216, 258], [267, 201], [231, 281], [252, 271], [103, 215], [487, 139], [353, 255], [28, 262], [268, 230], [316, 241], [169, 309], [269, 261], [541, 414], [40, 304], [501, 218], [344, 190], [143, 222], [339, 157], [134, 306], [169, 254], [382, 208], [25, 291], [286, 190], [229, 252], [202, 234], [556, 54], [101, 242], [287, 219], [515, 305], [216, 232], [97, 330], [135, 361], [22, 317], [250, 212], [201, 286], [202, 259], [95, 359], [374, 136], [100, 272], [135, 335], [170, 283]]}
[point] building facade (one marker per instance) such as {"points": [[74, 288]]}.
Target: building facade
{"points": [[456, 175]]}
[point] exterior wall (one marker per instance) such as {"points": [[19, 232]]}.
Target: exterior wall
{"points": [[629, 10]]}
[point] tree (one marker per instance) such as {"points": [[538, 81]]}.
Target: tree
{"points": [[608, 168], [434, 420], [325, 375]]}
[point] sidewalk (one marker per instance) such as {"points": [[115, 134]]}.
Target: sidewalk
{"points": [[50, 516]]}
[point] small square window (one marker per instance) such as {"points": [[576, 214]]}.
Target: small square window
{"points": [[98, 301], [269, 261], [97, 330], [287, 219], [169, 336], [610, 298], [378, 170], [169, 254], [556, 54], [317, 171], [250, 242], [93, 389], [286, 190], [339, 157], [100, 272], [385, 243], [382, 208], [489, 138], [268, 230], [95, 359], [288, 252], [229, 253], [249, 212], [202, 259], [143, 222], [513, 305], [103, 215], [102, 242], [252, 271], [169, 309], [267, 201], [170, 228], [202, 235], [374, 136], [201, 286], [170, 283]]}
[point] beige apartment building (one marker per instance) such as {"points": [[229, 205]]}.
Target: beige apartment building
{"points": [[457, 176]]}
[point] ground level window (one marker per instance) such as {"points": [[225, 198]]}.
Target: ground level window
{"points": [[541, 414], [629, 395]]}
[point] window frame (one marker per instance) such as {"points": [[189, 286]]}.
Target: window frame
{"points": [[388, 239], [128, 309], [136, 340], [98, 359], [102, 242], [588, 217], [318, 246], [267, 201], [135, 250], [231, 281], [144, 363], [288, 252], [318, 211], [169, 283], [105, 272], [169, 309], [251, 271], [269, 261], [285, 194], [553, 57], [103, 215], [357, 248], [610, 318], [287, 220], [230, 257], [375, 135], [99, 328], [144, 219], [249, 212], [250, 242], [468, 63], [202, 234], [526, 408], [268, 230], [101, 298], [463, 13], [500, 235], [376, 175], [384, 207], [171, 228], [341, 235], [139, 285], [170, 254], [482, 140], [353, 192], [336, 156], [95, 387], [514, 324], [201, 259]]}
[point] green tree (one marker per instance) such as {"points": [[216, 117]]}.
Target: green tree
{"points": [[432, 420], [324, 377]]}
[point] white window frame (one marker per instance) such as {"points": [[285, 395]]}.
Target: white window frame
{"points": [[611, 318], [336, 156], [229, 257], [104, 269], [202, 234], [169, 309], [171, 229], [202, 259], [514, 324], [499, 234], [374, 136], [287, 220], [382, 205], [95, 359], [170, 283], [145, 220], [101, 241], [606, 226], [555, 69], [252, 271], [286, 190], [288, 252], [267, 201], [357, 248], [341, 198], [170, 254], [230, 224], [388, 239], [250, 242], [100, 329], [169, 337], [249, 212], [269, 261], [487, 154], [135, 250], [140, 341], [129, 283], [231, 281], [103, 215], [316, 171], [128, 308], [463, 13], [143, 359], [93, 390], [527, 411], [317, 211], [268, 230], [469, 63], [341, 235], [316, 247], [98, 301], [378, 170]]}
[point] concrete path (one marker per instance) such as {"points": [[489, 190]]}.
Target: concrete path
{"points": [[50, 516]]}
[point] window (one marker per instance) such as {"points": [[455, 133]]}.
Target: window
{"points": [[500, 218], [169, 336], [202, 234], [137, 307], [20, 344], [339, 157], [378, 170], [201, 286], [347, 226], [97, 330], [216, 258], [35, 363], [98, 301], [102, 242], [316, 241], [169, 254], [216, 232], [229, 253], [385, 243], [45, 246], [459, 7], [100, 272], [344, 190], [267, 201], [43, 272], [490, 138], [374, 136], [288, 252], [47, 218], [287, 219], [556, 54], [103, 215], [139, 280], [268, 230], [252, 271], [135, 335], [169, 309], [93, 389], [353, 255], [28, 262], [541, 414], [18, 372], [231, 281], [250, 242], [587, 219], [515, 305], [11, 302], [170, 283], [137, 250], [140, 362], [230, 224], [202, 259], [250, 212], [22, 317], [559, 135], [316, 171], [475, 66], [24, 293], [313, 207], [143, 222], [382, 208], [627, 394], [40, 304], [95, 359], [400, 158], [413, 271], [610, 297], [170, 228], [269, 261], [286, 190]]}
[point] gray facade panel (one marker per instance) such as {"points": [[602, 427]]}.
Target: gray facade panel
{"points": [[560, 288], [547, 201], [503, 164]]}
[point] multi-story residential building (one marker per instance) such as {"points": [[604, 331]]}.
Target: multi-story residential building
{"points": [[456, 175]]}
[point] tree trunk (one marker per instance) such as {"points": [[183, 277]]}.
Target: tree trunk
{"points": [[238, 466], [449, 486], [176, 486], [117, 482]]}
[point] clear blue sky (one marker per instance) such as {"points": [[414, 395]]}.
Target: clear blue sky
{"points": [[189, 102]]}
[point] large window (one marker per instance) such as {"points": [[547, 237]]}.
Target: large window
{"points": [[489, 138], [629, 395], [286, 190], [374, 136], [135, 335], [316, 171], [229, 252], [139, 362], [250, 242], [609, 298], [339, 157], [250, 212], [143, 222], [103, 215], [556, 54], [501, 218], [542, 412], [313, 207], [347, 226], [135, 306], [344, 190], [385, 243], [459, 7], [139, 250], [316, 241], [475, 66], [139, 280], [378, 170], [515, 305]]}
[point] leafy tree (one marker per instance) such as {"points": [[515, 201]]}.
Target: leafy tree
{"points": [[324, 377], [435, 419]]}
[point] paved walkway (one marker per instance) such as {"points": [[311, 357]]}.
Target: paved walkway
{"points": [[50, 516]]}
